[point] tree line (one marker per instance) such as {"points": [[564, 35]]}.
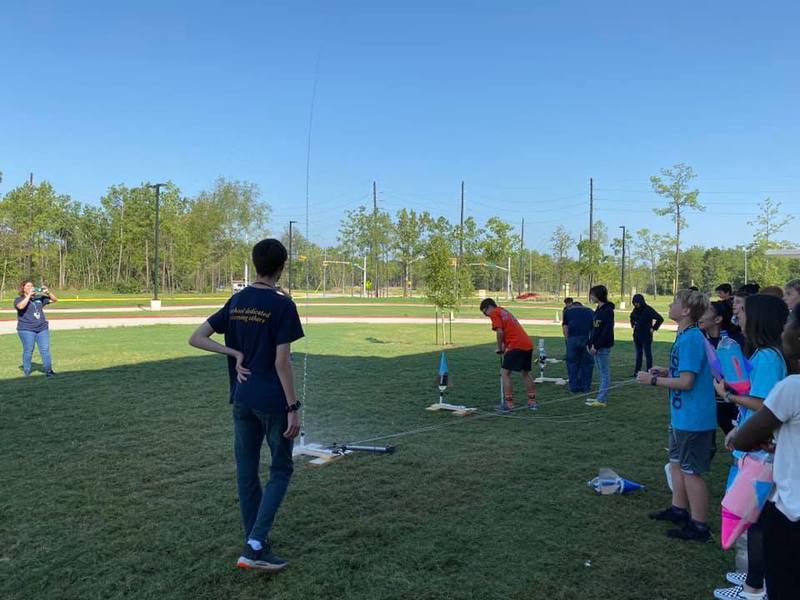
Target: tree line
{"points": [[205, 242]]}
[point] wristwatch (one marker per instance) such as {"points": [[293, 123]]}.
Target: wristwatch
{"points": [[728, 396], [654, 380], [293, 407]]}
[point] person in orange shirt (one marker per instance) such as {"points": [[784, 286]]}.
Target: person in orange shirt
{"points": [[517, 350]]}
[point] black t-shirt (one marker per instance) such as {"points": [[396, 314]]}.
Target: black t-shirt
{"points": [[579, 320], [256, 321], [31, 318]]}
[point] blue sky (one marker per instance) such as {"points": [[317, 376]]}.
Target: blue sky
{"points": [[523, 100]]}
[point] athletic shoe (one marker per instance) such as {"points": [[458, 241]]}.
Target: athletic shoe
{"points": [[690, 532], [679, 517], [737, 593], [597, 404], [736, 578], [260, 560], [505, 407], [533, 405], [51, 373]]}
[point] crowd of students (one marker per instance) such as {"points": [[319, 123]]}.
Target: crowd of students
{"points": [[261, 322], [768, 329]]}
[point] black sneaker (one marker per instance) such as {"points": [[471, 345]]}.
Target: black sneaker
{"points": [[690, 531], [51, 373], [679, 517], [260, 560]]}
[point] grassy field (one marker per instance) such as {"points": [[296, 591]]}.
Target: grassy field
{"points": [[118, 481], [313, 305]]}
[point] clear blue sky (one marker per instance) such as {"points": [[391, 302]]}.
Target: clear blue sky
{"points": [[523, 100]]}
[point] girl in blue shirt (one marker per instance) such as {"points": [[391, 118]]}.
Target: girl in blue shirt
{"points": [[763, 320]]}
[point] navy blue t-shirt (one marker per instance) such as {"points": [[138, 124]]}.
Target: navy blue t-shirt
{"points": [[578, 320], [31, 318], [256, 321]]}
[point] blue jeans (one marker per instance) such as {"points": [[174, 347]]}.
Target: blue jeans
{"points": [[39, 338], [601, 359], [580, 364], [250, 428]]}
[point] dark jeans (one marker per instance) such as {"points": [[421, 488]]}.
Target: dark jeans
{"points": [[643, 345], [250, 428], [580, 364], [781, 554]]}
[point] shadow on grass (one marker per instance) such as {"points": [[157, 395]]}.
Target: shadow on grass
{"points": [[118, 482]]}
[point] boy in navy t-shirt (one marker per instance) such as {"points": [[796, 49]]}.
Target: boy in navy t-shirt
{"points": [[693, 418], [259, 324]]}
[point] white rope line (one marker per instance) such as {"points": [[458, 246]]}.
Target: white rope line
{"points": [[484, 415]]}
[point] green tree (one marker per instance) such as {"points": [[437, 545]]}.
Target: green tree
{"points": [[673, 184], [561, 242]]}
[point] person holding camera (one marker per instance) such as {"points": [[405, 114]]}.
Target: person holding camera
{"points": [[32, 325]]}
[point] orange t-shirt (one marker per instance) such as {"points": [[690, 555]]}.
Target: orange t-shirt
{"points": [[514, 335]]}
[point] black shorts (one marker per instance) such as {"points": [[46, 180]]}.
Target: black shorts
{"points": [[518, 360]]}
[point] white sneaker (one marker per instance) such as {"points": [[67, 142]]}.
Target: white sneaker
{"points": [[737, 593], [736, 578]]}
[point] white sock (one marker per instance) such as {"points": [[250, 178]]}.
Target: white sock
{"points": [[255, 544]]}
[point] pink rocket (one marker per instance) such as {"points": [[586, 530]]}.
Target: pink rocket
{"points": [[746, 496]]}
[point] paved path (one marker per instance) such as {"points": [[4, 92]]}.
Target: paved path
{"points": [[10, 326]]}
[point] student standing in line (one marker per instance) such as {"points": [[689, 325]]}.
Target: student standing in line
{"points": [[716, 324], [780, 518], [645, 321], [692, 419], [577, 325], [600, 343], [765, 318]]}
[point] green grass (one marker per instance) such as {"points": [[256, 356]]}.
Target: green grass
{"points": [[118, 482]]}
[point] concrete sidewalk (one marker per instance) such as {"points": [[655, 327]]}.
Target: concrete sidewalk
{"points": [[10, 326]]}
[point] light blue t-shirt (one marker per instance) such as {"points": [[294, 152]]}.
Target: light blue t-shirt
{"points": [[694, 409], [768, 369]]}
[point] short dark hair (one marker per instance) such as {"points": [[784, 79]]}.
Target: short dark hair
{"points": [[600, 292], [725, 288], [569, 300], [766, 317], [486, 303], [749, 288], [269, 256], [694, 288], [722, 308]]}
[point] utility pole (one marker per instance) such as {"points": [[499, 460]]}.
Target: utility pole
{"points": [[290, 254], [591, 231], [521, 260], [374, 236], [622, 282], [460, 247], [156, 304]]}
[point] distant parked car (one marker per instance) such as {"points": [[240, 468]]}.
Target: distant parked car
{"points": [[528, 296]]}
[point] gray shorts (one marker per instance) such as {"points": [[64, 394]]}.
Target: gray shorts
{"points": [[692, 450]]}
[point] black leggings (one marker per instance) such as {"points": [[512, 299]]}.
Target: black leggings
{"points": [[646, 346], [781, 553], [755, 556]]}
